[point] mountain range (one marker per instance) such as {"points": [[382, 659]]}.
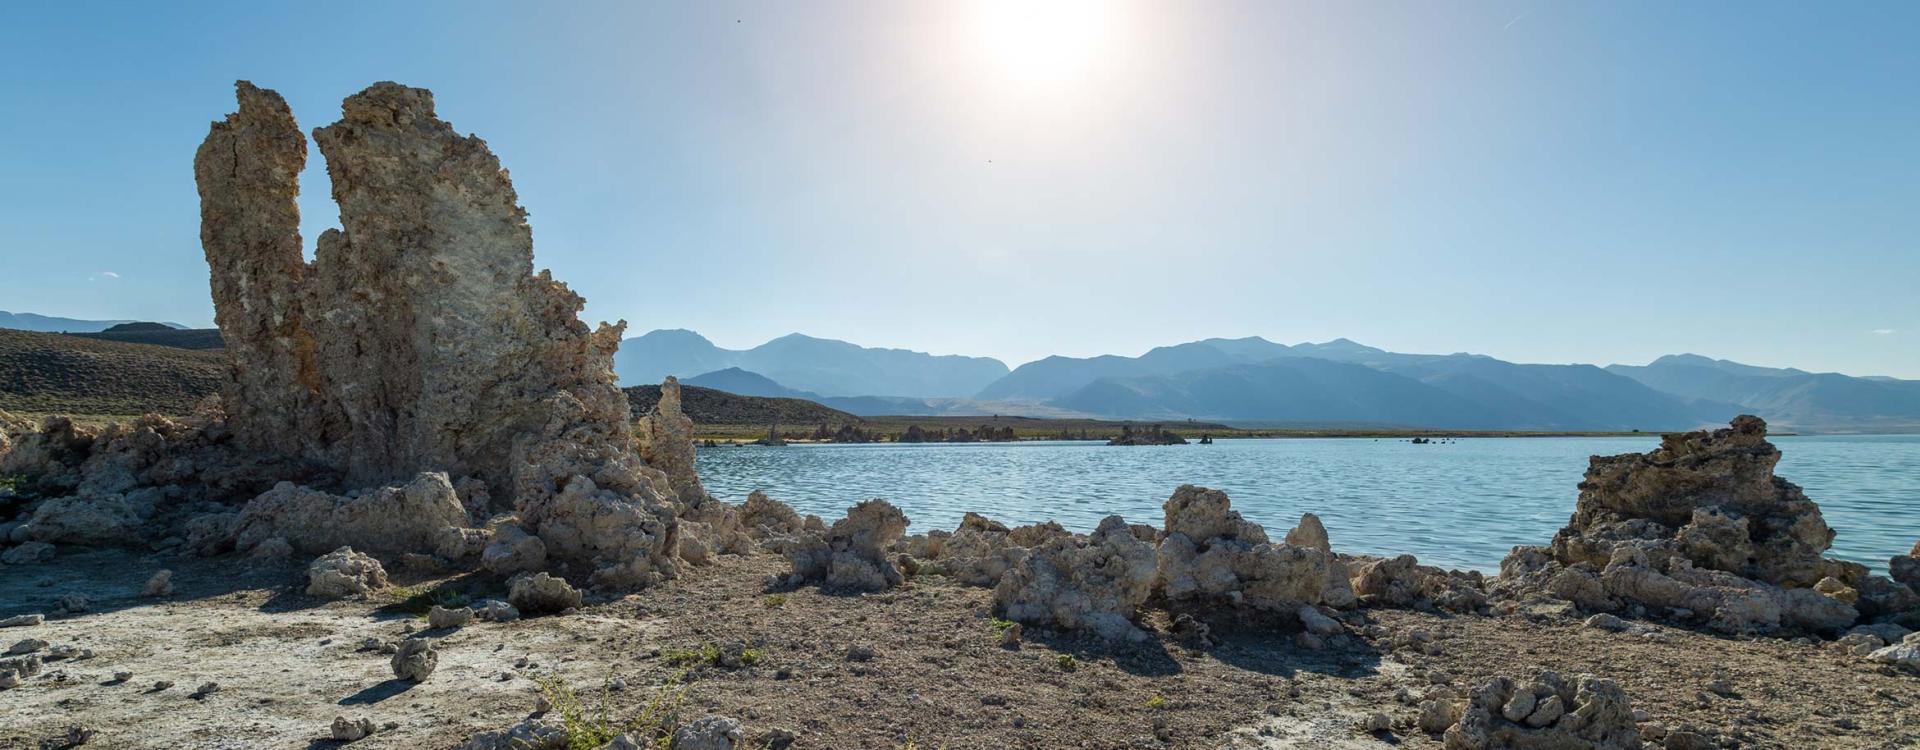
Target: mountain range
{"points": [[1254, 381], [823, 366], [50, 324]]}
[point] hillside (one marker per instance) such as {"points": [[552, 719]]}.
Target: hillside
{"points": [[706, 406], [1787, 397], [160, 334], [823, 366], [55, 373]]}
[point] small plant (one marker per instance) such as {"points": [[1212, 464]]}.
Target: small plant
{"points": [[706, 653], [591, 727], [749, 656], [1000, 624], [1067, 662], [416, 600], [10, 482], [774, 601], [1157, 701]]}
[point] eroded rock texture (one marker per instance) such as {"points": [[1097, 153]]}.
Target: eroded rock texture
{"points": [[1095, 583], [1701, 529], [1210, 554], [1546, 712], [851, 554]]}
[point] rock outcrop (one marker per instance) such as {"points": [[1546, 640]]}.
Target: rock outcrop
{"points": [[1210, 554], [1095, 583], [852, 553], [343, 573], [1702, 530], [1546, 712], [982, 550], [1401, 581], [539, 593], [390, 520]]}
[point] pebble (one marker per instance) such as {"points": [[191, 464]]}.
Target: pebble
{"points": [[26, 646], [204, 690]]}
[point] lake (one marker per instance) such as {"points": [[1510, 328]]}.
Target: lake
{"points": [[1461, 504]]}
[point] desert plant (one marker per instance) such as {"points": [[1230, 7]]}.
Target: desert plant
{"points": [[1067, 662], [590, 727]]}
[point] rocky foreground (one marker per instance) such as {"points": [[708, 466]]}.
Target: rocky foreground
{"points": [[420, 514]]}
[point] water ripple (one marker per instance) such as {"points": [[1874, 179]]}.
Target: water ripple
{"points": [[1463, 504]]}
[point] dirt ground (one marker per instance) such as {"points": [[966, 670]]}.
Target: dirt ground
{"points": [[922, 666]]}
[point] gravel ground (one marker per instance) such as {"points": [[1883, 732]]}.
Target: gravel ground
{"points": [[923, 666]]}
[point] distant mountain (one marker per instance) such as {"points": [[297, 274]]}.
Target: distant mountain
{"points": [[160, 334], [823, 366], [1795, 399], [746, 383], [736, 380], [50, 324], [1055, 377]]}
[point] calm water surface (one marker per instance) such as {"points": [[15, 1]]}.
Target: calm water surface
{"points": [[1461, 504]]}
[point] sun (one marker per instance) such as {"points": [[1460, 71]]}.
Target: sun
{"points": [[1045, 44]]}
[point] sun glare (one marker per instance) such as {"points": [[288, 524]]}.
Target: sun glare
{"points": [[1045, 44]]}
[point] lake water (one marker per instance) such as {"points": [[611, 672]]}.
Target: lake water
{"points": [[1462, 504]]}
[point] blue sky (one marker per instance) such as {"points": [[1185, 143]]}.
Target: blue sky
{"points": [[1542, 182]]}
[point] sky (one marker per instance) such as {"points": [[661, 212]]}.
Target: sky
{"points": [[1536, 181]]}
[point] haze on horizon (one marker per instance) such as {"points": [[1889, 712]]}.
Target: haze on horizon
{"points": [[1538, 182]]}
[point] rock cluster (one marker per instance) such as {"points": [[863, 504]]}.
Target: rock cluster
{"points": [[1095, 583], [1702, 530], [1209, 553], [852, 553], [1545, 712]]}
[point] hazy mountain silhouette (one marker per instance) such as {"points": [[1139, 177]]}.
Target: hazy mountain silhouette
{"points": [[49, 324], [1820, 401], [823, 366]]}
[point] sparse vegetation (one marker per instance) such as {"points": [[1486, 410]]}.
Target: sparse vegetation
{"points": [[1157, 701], [51, 373], [713, 655], [591, 727], [1067, 662], [1001, 624], [774, 601], [416, 600]]}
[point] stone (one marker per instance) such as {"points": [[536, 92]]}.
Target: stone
{"points": [[1310, 533], [26, 646], [1607, 622], [72, 604], [709, 733], [1905, 654], [1237, 565], [1587, 712], [1401, 581], [512, 551], [344, 729], [28, 553], [1096, 583], [765, 518], [494, 610], [540, 593], [343, 573], [343, 363], [275, 549], [390, 519], [1701, 526], [416, 660], [441, 617], [852, 554], [981, 550], [1318, 623], [19, 621], [665, 438], [158, 585], [205, 689]]}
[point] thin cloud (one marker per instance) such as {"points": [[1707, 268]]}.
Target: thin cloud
{"points": [[1883, 331], [1516, 19], [103, 275]]}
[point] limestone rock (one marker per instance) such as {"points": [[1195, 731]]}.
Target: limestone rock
{"points": [[1700, 526], [531, 734], [159, 584], [540, 593], [981, 550], [1096, 583], [764, 517], [1236, 564], [343, 573], [391, 519], [512, 551], [665, 437], [1310, 533], [1402, 581], [852, 554], [441, 617], [415, 660], [1545, 712], [350, 730], [710, 733]]}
